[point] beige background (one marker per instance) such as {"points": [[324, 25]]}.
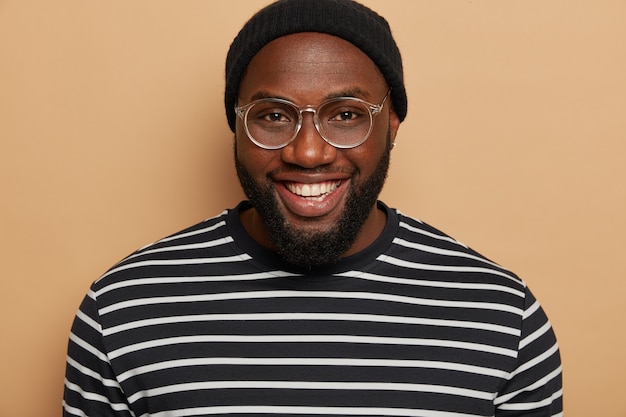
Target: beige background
{"points": [[113, 134]]}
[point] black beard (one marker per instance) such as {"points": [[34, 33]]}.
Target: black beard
{"points": [[308, 249]]}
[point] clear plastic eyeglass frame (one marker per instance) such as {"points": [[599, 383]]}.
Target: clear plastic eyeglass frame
{"points": [[294, 128]]}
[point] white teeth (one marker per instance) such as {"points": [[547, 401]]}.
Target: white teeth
{"points": [[313, 190]]}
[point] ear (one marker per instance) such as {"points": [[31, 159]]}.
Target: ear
{"points": [[394, 123]]}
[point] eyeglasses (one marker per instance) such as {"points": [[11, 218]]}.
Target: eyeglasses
{"points": [[344, 122]]}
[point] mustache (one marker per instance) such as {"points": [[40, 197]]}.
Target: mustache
{"points": [[295, 169]]}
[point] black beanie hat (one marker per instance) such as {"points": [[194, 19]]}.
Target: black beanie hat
{"points": [[345, 19]]}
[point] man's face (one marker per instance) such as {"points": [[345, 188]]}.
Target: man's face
{"points": [[314, 203]]}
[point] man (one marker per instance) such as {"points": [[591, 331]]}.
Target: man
{"points": [[312, 298]]}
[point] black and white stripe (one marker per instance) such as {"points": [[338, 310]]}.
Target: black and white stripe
{"points": [[207, 323]]}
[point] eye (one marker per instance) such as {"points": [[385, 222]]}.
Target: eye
{"points": [[275, 117], [271, 114], [346, 115]]}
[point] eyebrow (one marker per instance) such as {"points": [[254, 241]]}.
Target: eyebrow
{"points": [[350, 92]]}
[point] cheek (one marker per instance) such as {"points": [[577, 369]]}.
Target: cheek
{"points": [[378, 141], [256, 160], [367, 156], [244, 148]]}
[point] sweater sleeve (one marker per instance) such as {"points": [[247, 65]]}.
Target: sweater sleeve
{"points": [[91, 388], [534, 388]]}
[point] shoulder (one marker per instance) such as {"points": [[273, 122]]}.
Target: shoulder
{"points": [[422, 251], [185, 247]]}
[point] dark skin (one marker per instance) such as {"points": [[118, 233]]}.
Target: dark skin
{"points": [[308, 68]]}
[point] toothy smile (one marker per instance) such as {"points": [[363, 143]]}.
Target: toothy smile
{"points": [[313, 190]]}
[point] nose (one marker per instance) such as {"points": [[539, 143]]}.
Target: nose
{"points": [[309, 149]]}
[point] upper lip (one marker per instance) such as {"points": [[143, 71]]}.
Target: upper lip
{"points": [[309, 177]]}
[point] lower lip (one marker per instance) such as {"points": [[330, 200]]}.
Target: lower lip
{"points": [[312, 207]]}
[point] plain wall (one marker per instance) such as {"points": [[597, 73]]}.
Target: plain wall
{"points": [[112, 135]]}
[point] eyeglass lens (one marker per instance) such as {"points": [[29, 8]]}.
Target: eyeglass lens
{"points": [[343, 122]]}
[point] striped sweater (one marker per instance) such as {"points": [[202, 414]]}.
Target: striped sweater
{"points": [[208, 323]]}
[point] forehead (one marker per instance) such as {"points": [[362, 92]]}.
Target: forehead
{"points": [[311, 66]]}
